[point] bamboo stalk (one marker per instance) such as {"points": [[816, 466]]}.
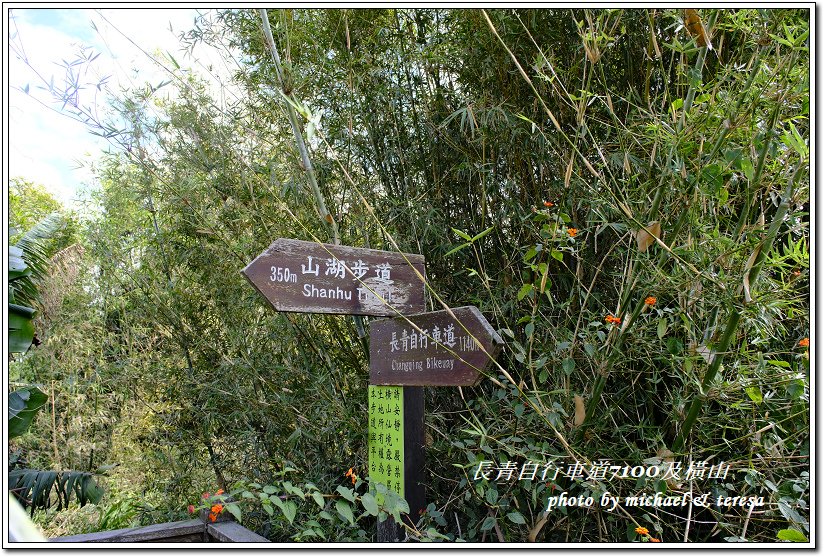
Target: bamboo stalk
{"points": [[54, 429], [698, 402], [732, 324], [325, 215]]}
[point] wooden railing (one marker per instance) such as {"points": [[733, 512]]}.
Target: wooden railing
{"points": [[186, 531]]}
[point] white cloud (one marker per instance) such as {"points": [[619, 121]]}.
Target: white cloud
{"points": [[44, 145]]}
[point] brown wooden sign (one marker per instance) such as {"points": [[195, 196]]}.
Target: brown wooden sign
{"points": [[434, 349], [311, 277]]}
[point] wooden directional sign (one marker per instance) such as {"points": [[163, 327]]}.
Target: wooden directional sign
{"points": [[436, 349], [310, 277]]}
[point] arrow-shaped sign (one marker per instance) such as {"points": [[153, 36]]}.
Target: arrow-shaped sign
{"points": [[311, 277], [432, 348]]}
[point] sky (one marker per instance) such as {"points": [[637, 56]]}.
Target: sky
{"points": [[45, 146]]}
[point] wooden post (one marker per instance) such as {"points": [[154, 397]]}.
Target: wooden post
{"points": [[309, 277], [414, 446]]}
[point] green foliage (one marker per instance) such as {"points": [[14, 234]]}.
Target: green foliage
{"points": [[301, 512], [23, 405], [29, 203], [35, 488]]}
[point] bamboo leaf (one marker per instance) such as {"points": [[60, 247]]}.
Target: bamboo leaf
{"points": [[482, 234], [646, 237], [462, 234], [580, 411], [455, 250]]}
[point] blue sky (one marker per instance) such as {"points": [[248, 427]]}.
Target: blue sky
{"points": [[47, 147]]}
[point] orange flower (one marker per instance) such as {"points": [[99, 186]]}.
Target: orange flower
{"points": [[612, 319], [650, 300], [642, 531], [351, 475], [572, 232], [805, 342], [549, 204], [654, 539], [219, 492], [217, 509], [212, 517]]}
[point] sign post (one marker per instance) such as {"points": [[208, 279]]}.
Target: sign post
{"points": [[440, 348], [310, 277], [396, 449]]}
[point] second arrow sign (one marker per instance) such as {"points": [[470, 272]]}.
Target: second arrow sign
{"points": [[432, 348]]}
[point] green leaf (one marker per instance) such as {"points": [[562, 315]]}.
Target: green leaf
{"points": [[268, 508], [293, 489], [516, 517], [21, 328], [345, 510], [318, 499], [675, 346], [676, 104], [462, 234], [370, 504], [455, 250], [663, 324], [91, 492], [780, 363], [525, 290], [235, 510], [23, 405], [482, 234], [569, 365], [172, 58], [559, 255], [792, 535], [488, 523], [289, 511], [492, 495], [533, 251], [35, 487], [747, 169], [269, 489], [278, 502], [347, 493], [16, 261], [754, 393]]}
